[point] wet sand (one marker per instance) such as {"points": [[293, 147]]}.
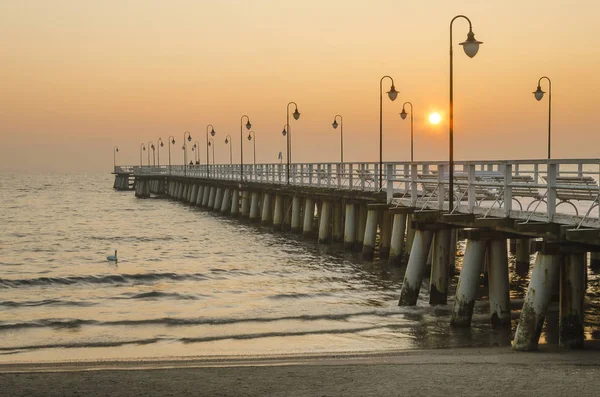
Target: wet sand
{"points": [[490, 371]]}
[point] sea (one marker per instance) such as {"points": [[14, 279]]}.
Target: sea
{"points": [[191, 283]]}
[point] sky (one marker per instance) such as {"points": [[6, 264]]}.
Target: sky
{"points": [[80, 77]]}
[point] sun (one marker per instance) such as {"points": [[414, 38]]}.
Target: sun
{"points": [[435, 118]]}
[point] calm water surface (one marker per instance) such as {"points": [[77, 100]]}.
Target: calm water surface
{"points": [[191, 283]]}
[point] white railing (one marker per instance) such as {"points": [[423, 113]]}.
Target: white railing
{"points": [[562, 191]]}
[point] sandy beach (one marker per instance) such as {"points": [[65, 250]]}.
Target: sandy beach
{"points": [[491, 372]]}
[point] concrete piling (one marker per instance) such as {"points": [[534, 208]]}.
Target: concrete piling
{"points": [[245, 204], [397, 239], [572, 294], [278, 212], [254, 214], [296, 212], [360, 226], [543, 278], [415, 268], [200, 195], [226, 203], [385, 235], [194, 196], [462, 312], [338, 223], [211, 198], [498, 283], [235, 203], [350, 227], [368, 246], [324, 222], [218, 199], [410, 233], [267, 214], [309, 216], [438, 282], [522, 256]]}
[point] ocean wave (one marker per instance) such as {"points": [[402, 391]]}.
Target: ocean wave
{"points": [[159, 294], [173, 321], [45, 302], [108, 279]]}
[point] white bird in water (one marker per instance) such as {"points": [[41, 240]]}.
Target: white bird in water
{"points": [[112, 258]]}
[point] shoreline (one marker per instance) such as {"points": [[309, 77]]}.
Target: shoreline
{"points": [[490, 371]]}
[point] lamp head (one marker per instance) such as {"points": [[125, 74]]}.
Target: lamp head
{"points": [[173, 141], [296, 114], [471, 46], [209, 143], [226, 140], [403, 114], [392, 93], [152, 147], [162, 144], [538, 94], [248, 125], [284, 132], [212, 131], [183, 147], [249, 137], [334, 124], [143, 147], [117, 150], [189, 137]]}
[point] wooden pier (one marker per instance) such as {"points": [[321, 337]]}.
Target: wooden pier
{"points": [[546, 206]]}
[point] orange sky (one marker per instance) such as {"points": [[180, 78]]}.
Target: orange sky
{"points": [[79, 77]]}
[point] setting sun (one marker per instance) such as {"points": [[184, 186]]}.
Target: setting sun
{"points": [[435, 118]]}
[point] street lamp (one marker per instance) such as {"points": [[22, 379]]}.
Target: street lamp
{"points": [[403, 116], [539, 94], [151, 146], [171, 142], [251, 136], [115, 151], [212, 132], [335, 126], [196, 149], [159, 144], [248, 126], [142, 148], [228, 141], [211, 142], [189, 139], [296, 115], [471, 47], [392, 94]]}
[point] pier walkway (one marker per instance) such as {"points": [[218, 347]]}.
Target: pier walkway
{"points": [[545, 206]]}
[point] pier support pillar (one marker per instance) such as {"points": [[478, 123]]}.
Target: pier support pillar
{"points": [[462, 312], [205, 196], [254, 214], [361, 224], [368, 246], [385, 234], [180, 191], [194, 193], [410, 233], [200, 195], [438, 282], [338, 222], [522, 256], [211, 198], [226, 203], [324, 222], [498, 283], [267, 214], [246, 204], [287, 213], [278, 213], [543, 278], [309, 217], [218, 199], [397, 239], [452, 256], [235, 203], [415, 268], [572, 294], [350, 227], [296, 211]]}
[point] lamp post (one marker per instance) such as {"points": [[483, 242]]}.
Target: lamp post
{"points": [[335, 126], [189, 139], [539, 94], [252, 136], [392, 94], [115, 151], [403, 116], [212, 132], [171, 142], [470, 46], [142, 148], [284, 132], [248, 126], [159, 144], [296, 115], [196, 150], [211, 142], [228, 141], [151, 146]]}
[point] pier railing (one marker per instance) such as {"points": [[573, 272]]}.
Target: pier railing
{"points": [[562, 191]]}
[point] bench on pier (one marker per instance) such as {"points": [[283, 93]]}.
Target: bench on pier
{"points": [[430, 185], [525, 188], [578, 188], [364, 177]]}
